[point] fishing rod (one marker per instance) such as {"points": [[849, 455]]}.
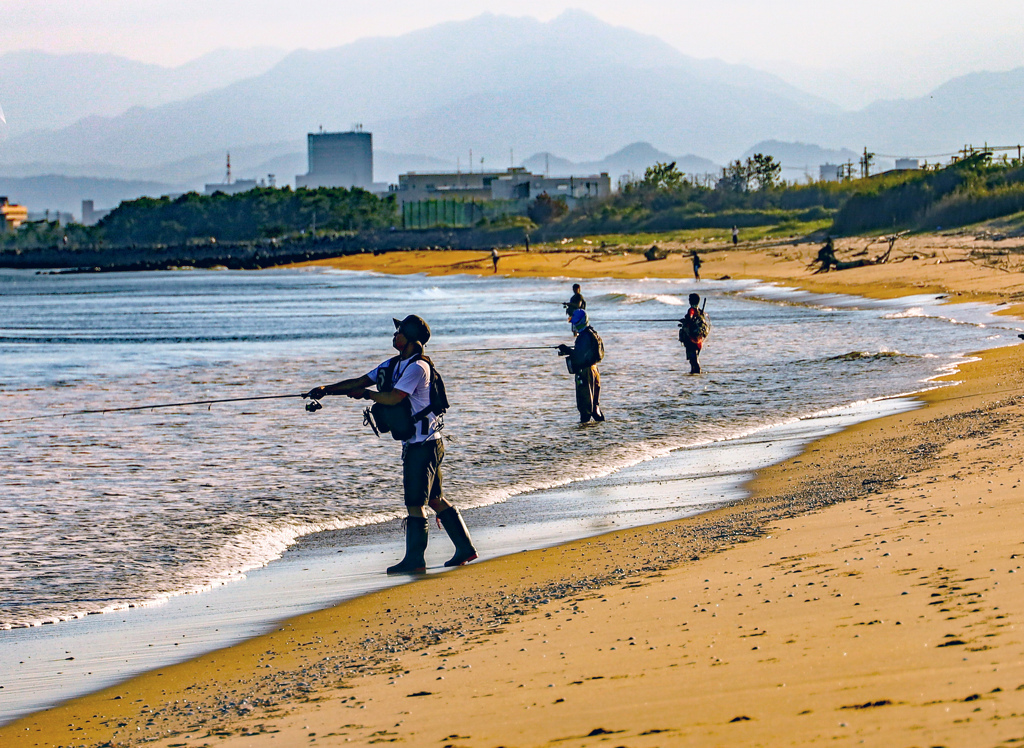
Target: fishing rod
{"points": [[488, 350], [665, 319], [152, 407], [312, 406]]}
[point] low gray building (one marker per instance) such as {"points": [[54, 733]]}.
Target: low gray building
{"points": [[234, 187], [513, 184]]}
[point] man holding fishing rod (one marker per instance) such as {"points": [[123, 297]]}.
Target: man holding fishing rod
{"points": [[406, 403]]}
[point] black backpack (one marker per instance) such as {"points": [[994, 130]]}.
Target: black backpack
{"points": [[399, 419], [694, 328]]}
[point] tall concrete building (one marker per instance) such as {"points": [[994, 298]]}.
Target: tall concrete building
{"points": [[338, 159]]}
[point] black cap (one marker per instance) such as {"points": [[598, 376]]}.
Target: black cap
{"points": [[413, 328]]}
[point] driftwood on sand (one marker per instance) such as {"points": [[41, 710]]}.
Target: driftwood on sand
{"points": [[827, 260]]}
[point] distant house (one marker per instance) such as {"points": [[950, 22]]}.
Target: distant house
{"points": [[830, 172], [13, 215]]}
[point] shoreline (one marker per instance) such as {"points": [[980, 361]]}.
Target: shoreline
{"points": [[311, 576], [603, 563], [923, 264]]}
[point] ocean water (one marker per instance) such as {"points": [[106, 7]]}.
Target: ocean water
{"points": [[102, 512]]}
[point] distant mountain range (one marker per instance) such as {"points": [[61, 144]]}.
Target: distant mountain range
{"points": [[575, 86], [630, 161], [495, 85], [41, 91], [800, 159]]}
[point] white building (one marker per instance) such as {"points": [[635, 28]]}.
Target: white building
{"points": [[830, 172]]}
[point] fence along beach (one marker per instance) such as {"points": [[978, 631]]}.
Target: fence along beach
{"points": [[652, 612]]}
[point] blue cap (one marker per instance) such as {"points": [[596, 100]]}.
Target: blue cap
{"points": [[579, 320]]}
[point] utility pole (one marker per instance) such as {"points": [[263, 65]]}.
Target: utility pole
{"points": [[865, 163]]}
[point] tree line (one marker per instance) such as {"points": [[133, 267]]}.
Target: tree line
{"points": [[260, 213], [748, 193]]}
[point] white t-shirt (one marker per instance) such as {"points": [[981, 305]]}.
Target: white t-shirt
{"points": [[414, 380]]}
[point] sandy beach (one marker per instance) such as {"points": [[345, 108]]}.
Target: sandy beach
{"points": [[867, 592]]}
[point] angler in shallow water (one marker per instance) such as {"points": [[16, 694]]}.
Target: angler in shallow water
{"points": [[409, 402], [575, 302], [582, 360], [693, 329]]}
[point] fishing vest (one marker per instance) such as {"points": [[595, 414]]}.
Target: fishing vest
{"points": [[399, 420], [588, 351]]}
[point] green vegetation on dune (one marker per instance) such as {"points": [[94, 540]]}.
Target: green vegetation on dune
{"points": [[257, 214], [969, 191]]}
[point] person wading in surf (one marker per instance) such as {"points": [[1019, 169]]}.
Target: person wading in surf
{"points": [[405, 404], [693, 328], [576, 302], [582, 360]]}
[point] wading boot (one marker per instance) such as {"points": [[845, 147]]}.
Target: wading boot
{"points": [[455, 526], [415, 545]]}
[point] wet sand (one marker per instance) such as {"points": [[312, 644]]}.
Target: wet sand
{"points": [[867, 591]]}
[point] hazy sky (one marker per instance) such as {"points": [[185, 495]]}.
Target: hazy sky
{"points": [[896, 46]]}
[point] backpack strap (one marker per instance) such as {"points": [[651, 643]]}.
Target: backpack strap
{"points": [[386, 378], [421, 418]]}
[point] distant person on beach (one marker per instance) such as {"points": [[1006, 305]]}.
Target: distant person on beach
{"points": [[582, 360], [494, 258], [405, 402], [827, 256], [693, 329], [735, 236], [576, 302], [696, 265]]}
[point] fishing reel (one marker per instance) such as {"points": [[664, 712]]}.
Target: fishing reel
{"points": [[313, 406]]}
